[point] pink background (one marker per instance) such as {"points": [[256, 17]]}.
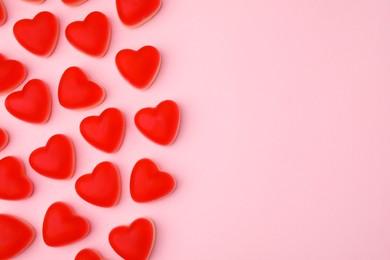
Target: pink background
{"points": [[283, 151]]}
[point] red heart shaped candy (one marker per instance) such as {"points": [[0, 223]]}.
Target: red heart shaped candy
{"points": [[91, 36], [38, 2], [74, 2], [134, 13], [102, 187], [32, 104], [106, 131], [3, 13], [159, 124], [55, 160], [148, 183], [3, 139], [135, 241], [61, 226], [15, 236], [39, 35], [12, 74], [88, 254], [139, 68], [76, 91], [14, 183]]}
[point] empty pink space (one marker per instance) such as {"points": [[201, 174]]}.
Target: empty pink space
{"points": [[284, 144]]}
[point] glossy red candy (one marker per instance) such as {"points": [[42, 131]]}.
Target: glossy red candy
{"points": [[15, 236], [88, 254], [55, 160], [61, 226], [91, 36], [102, 187], [12, 74], [159, 124], [3, 13], [133, 242], [76, 91], [148, 183], [39, 35], [3, 139], [14, 183], [134, 13], [139, 68], [106, 131], [35, 1], [74, 2], [32, 104]]}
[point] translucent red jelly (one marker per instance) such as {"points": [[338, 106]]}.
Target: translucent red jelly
{"points": [[102, 187], [134, 241], [74, 2], [12, 74], [14, 183], [3, 139], [139, 68], [38, 35], [15, 236], [3, 13], [134, 13], [32, 104], [106, 131], [61, 225], [91, 36], [88, 254], [159, 124], [56, 160], [77, 91], [148, 183]]}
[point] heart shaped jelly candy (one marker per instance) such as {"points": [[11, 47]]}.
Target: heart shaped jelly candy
{"points": [[106, 131], [159, 124], [91, 36], [12, 74], [76, 91], [61, 226], [39, 35], [148, 183], [139, 68], [38, 2], [55, 160], [3, 13], [88, 254], [135, 241], [32, 104], [134, 13], [74, 2], [15, 236], [14, 183], [102, 187], [3, 139]]}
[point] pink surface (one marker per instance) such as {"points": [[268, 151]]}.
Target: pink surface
{"points": [[283, 151]]}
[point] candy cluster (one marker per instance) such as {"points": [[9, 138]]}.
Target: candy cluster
{"points": [[57, 158]]}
